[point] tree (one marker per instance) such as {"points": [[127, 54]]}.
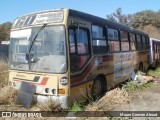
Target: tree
{"points": [[119, 17], [111, 18], [140, 19], [5, 31]]}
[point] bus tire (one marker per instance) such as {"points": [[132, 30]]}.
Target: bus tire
{"points": [[157, 63], [140, 66], [97, 88]]}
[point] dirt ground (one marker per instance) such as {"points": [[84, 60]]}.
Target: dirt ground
{"points": [[145, 100]]}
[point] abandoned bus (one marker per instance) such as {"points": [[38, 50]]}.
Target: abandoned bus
{"points": [[154, 52], [69, 54]]}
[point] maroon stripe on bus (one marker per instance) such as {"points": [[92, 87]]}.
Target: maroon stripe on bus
{"points": [[107, 59], [80, 79]]}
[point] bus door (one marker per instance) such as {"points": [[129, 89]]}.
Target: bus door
{"points": [[79, 43]]}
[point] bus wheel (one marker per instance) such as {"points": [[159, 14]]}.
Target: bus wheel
{"points": [[157, 63], [140, 66], [97, 88]]}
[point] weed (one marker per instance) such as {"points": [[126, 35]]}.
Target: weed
{"points": [[133, 86], [8, 95], [77, 106], [3, 74], [155, 72]]}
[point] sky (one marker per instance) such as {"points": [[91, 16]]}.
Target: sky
{"points": [[11, 9]]}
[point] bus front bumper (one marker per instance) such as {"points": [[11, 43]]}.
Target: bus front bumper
{"points": [[63, 100]]}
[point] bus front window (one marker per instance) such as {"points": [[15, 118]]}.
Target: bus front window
{"points": [[48, 53]]}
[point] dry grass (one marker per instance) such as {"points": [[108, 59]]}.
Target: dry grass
{"points": [[115, 96], [8, 95], [50, 106], [3, 73]]}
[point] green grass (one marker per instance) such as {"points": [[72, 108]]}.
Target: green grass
{"points": [[133, 86], [77, 106], [155, 72]]}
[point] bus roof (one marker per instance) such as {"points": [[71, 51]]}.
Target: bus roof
{"points": [[104, 22], [91, 18]]}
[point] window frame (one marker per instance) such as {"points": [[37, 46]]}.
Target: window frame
{"points": [[132, 41], [116, 40], [102, 39], [145, 41], [138, 42], [124, 41]]}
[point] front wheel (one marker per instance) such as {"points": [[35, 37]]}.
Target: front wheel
{"points": [[97, 88]]}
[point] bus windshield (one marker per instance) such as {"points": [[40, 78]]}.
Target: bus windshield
{"points": [[48, 52]]}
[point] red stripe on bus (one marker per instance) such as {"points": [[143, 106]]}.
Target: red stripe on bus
{"points": [[44, 81]]}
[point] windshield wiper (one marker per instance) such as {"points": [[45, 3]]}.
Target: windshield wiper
{"points": [[33, 40], [28, 54]]}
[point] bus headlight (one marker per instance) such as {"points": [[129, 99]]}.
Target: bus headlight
{"points": [[64, 80], [47, 90], [53, 91]]}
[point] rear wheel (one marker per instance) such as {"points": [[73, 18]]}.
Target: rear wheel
{"points": [[97, 88]]}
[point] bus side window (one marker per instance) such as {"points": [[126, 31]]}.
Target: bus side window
{"points": [[144, 43], [99, 39], [132, 41], [139, 43], [124, 41], [148, 45], [113, 40]]}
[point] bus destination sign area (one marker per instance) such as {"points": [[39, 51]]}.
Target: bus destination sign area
{"points": [[40, 18]]}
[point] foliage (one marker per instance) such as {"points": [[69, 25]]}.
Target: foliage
{"points": [[77, 106], [5, 31], [119, 17], [140, 19], [155, 72], [134, 86], [147, 20]]}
